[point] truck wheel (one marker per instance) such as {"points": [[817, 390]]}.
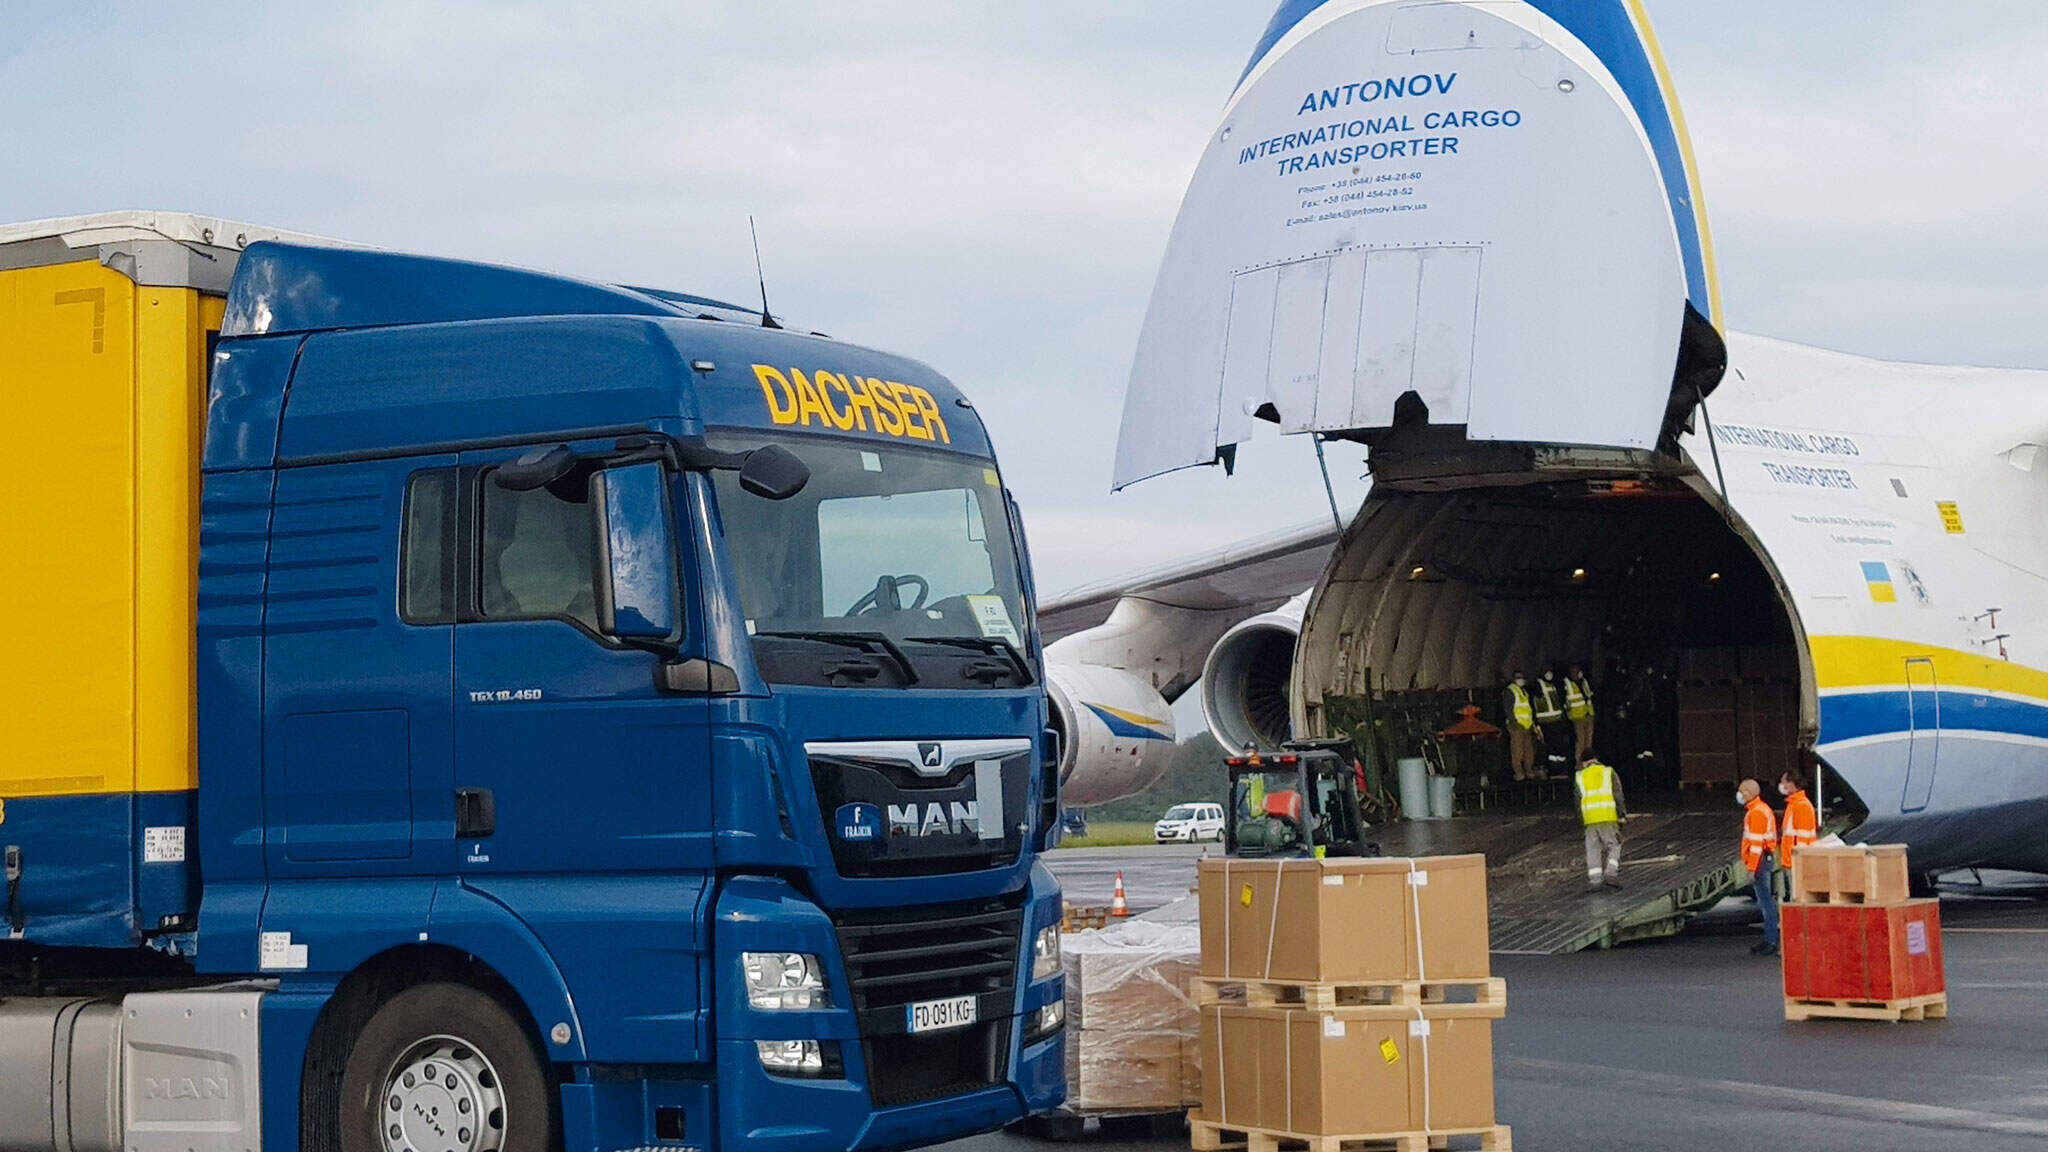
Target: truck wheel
{"points": [[445, 1068]]}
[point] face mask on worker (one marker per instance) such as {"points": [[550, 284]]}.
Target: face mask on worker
{"points": [[1784, 789], [1548, 676], [1741, 798], [1521, 681]]}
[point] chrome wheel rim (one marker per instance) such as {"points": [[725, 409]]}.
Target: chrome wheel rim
{"points": [[441, 1095]]}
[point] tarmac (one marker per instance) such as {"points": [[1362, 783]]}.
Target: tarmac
{"points": [[1682, 1043]]}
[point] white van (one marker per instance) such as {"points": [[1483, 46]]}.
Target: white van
{"points": [[1189, 822]]}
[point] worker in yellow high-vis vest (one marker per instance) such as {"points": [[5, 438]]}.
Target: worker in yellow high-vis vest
{"points": [[1521, 728], [1578, 708], [1602, 810]]}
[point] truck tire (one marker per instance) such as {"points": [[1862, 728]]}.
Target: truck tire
{"points": [[446, 1068]]}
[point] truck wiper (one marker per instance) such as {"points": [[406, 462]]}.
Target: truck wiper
{"points": [[994, 645], [860, 641]]}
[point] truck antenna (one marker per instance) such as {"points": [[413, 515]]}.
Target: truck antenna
{"points": [[767, 319]]}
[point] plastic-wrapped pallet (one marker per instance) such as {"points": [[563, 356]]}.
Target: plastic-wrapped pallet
{"points": [[1131, 1019]]}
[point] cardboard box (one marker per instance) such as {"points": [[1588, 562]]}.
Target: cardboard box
{"points": [[1706, 698], [1110, 1070], [1191, 1072], [1345, 921], [1130, 991], [1866, 952], [1130, 1016], [1708, 665], [1706, 767], [1852, 874], [1350, 1072]]}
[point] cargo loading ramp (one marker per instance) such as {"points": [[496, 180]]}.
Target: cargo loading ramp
{"points": [[1673, 866]]}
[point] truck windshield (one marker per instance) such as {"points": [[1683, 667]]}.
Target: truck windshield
{"points": [[893, 566]]}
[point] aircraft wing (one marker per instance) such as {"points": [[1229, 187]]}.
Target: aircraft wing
{"points": [[1238, 580]]}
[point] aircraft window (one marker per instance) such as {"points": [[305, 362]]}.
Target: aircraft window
{"points": [[539, 556], [426, 556]]}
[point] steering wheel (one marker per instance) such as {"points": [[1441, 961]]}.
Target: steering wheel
{"points": [[889, 586]]}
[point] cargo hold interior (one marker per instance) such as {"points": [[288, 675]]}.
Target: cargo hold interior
{"points": [[1671, 609]]}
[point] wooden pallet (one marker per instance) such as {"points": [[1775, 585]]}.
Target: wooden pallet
{"points": [[1081, 919], [1490, 993], [1828, 896], [1934, 1007], [1207, 1136]]}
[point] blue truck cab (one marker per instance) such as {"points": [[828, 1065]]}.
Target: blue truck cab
{"points": [[619, 724]]}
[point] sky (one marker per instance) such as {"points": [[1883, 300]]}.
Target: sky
{"points": [[988, 186]]}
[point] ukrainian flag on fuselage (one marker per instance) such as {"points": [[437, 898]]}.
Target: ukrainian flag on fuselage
{"points": [[1618, 33], [1878, 577]]}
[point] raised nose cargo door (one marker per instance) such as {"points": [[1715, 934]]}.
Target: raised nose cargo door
{"points": [[1487, 204]]}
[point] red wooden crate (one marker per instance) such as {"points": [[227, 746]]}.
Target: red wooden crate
{"points": [[1865, 952]]}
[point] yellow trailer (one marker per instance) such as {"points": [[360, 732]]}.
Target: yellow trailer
{"points": [[107, 325]]}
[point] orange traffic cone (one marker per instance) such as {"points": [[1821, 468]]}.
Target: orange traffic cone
{"points": [[1117, 905]]}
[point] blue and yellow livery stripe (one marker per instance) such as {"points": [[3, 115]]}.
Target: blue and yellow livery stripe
{"points": [[1864, 690], [1707, 266], [1129, 725], [1861, 662], [1618, 32], [1878, 578]]}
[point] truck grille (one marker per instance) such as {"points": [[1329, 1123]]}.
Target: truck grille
{"points": [[894, 959]]}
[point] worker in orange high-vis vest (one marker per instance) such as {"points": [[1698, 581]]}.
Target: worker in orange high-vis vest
{"points": [[1801, 824], [1759, 857]]}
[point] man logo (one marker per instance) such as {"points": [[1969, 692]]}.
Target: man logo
{"points": [[184, 1088], [933, 755]]}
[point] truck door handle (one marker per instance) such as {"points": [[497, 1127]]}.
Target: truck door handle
{"points": [[476, 813]]}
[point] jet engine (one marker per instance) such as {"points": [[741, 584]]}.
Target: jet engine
{"points": [[1247, 677], [1116, 732]]}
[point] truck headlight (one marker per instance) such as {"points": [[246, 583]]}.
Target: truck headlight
{"points": [[1045, 953], [791, 1057], [779, 980]]}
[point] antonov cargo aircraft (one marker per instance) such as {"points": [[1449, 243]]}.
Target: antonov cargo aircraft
{"points": [[1468, 236]]}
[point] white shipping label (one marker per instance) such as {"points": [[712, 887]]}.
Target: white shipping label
{"points": [[273, 950], [1418, 1027], [1333, 881], [993, 618], [1916, 938], [988, 798], [164, 845], [1334, 1029], [1418, 879]]}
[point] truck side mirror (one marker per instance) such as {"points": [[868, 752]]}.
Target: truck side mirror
{"points": [[640, 590], [773, 472]]}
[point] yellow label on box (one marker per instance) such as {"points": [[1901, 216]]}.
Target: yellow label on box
{"points": [[1245, 897], [1390, 1051]]}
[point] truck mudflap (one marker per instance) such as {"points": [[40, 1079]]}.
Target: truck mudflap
{"points": [[863, 1070]]}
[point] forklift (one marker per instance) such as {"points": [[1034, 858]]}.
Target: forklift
{"points": [[1301, 802]]}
